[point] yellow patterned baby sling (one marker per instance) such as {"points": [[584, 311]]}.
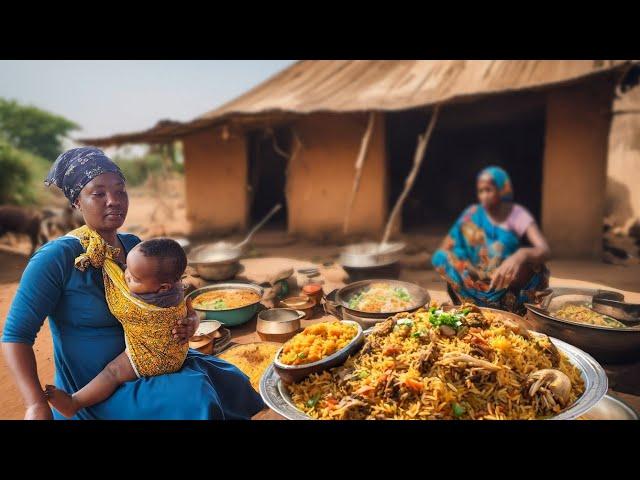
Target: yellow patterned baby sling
{"points": [[147, 328]]}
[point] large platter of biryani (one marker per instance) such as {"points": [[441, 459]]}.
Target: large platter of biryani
{"points": [[438, 363]]}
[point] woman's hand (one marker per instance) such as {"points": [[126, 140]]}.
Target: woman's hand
{"points": [[38, 411], [507, 272], [186, 327]]}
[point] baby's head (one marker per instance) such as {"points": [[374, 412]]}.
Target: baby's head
{"points": [[155, 266]]}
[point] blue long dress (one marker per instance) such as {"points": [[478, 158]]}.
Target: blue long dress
{"points": [[86, 336]]}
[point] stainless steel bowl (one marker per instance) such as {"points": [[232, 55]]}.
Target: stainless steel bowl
{"points": [[278, 324], [215, 261], [370, 254], [611, 408], [216, 272]]}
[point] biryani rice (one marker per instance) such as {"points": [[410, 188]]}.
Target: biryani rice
{"points": [[375, 385], [317, 342]]}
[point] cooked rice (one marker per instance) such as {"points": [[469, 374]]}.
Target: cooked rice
{"points": [[582, 314], [316, 342], [394, 376], [252, 359], [381, 297]]}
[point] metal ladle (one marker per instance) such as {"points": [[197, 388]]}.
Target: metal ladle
{"points": [[225, 251]]}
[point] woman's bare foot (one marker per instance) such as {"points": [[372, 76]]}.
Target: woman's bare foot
{"points": [[61, 401]]}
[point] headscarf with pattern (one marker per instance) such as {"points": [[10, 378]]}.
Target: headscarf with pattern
{"points": [[74, 168]]}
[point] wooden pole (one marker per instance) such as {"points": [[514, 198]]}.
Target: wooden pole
{"points": [[418, 157], [362, 154]]}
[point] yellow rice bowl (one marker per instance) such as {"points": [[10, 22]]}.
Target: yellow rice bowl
{"points": [[390, 379], [317, 342]]}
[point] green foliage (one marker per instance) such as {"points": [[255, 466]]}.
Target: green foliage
{"points": [[21, 181], [136, 170], [33, 130]]}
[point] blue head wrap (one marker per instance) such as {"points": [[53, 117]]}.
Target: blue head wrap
{"points": [[73, 169], [501, 180]]}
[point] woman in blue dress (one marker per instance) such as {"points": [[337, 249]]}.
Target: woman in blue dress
{"points": [[86, 336], [483, 257]]}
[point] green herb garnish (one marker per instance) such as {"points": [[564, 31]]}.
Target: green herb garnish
{"points": [[353, 303], [420, 333], [402, 294], [311, 403], [453, 320], [458, 410], [219, 304], [302, 355]]}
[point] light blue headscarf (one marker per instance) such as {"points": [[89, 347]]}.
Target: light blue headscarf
{"points": [[501, 180]]}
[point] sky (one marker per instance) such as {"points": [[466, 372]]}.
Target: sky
{"points": [[106, 97]]}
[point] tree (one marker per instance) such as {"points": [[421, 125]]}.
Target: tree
{"points": [[33, 130], [16, 176]]}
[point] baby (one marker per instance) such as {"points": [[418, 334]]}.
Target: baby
{"points": [[153, 292]]}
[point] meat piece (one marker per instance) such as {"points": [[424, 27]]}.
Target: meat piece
{"points": [[385, 328], [427, 358]]}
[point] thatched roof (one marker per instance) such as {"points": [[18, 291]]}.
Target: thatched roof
{"points": [[381, 85]]}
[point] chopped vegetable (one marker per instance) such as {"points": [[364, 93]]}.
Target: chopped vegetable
{"points": [[402, 294], [405, 321], [363, 374], [458, 410], [353, 303], [439, 317], [311, 403], [302, 355], [219, 304], [420, 333], [414, 384]]}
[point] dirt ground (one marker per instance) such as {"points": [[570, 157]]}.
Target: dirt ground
{"points": [[171, 220]]}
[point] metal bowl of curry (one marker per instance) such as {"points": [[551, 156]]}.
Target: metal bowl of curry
{"points": [[231, 303]]}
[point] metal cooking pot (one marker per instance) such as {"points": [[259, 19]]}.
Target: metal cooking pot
{"points": [[419, 295], [370, 254], [608, 345]]}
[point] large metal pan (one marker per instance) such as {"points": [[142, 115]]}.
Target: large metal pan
{"points": [[608, 345], [419, 295]]}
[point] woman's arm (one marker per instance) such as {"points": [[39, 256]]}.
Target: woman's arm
{"points": [[508, 271], [22, 364], [540, 251], [37, 296]]}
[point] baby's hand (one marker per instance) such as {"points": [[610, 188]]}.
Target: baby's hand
{"points": [[186, 327]]}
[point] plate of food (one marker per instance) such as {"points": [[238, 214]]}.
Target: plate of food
{"points": [[317, 348], [251, 358], [381, 298], [460, 363]]}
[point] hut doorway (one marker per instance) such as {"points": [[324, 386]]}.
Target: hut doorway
{"points": [[267, 176], [507, 131]]}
